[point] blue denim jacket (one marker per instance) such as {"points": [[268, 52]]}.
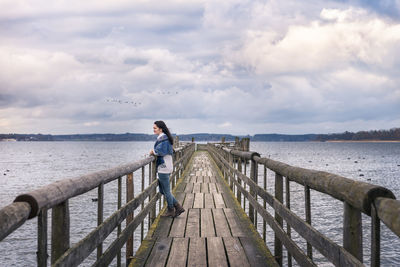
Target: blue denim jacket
{"points": [[162, 147]]}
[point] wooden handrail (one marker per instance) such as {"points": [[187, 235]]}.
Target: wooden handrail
{"points": [[376, 201], [53, 194], [57, 195]]}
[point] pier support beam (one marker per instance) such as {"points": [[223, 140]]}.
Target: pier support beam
{"points": [[352, 231], [60, 230]]}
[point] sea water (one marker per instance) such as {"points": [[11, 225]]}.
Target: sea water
{"points": [[25, 166]]}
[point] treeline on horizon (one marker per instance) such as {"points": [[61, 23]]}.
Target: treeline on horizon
{"points": [[383, 135]]}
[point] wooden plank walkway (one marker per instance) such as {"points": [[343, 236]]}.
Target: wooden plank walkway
{"points": [[214, 230]]}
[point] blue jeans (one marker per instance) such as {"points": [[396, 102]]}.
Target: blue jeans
{"points": [[165, 189]]}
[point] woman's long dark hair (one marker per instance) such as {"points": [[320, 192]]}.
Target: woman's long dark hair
{"points": [[164, 128]]}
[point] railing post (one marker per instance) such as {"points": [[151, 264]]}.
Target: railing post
{"points": [[100, 205], [352, 231], [142, 227], [230, 157], [153, 177], [254, 177], [129, 218], [308, 215], [119, 225], [239, 168], [375, 238], [60, 230], [265, 203], [288, 229], [42, 238], [279, 197]]}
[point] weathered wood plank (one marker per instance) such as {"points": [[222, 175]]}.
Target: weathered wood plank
{"points": [[197, 252], [197, 188], [189, 188], [221, 224], [143, 253], [213, 179], [219, 201], [188, 203], [198, 201], [179, 226], [209, 201], [193, 223], [235, 252], [254, 255], [159, 253], [178, 254], [234, 223], [204, 188], [215, 247], [213, 188], [206, 223]]}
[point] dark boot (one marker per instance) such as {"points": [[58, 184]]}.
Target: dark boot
{"points": [[170, 212], [178, 209]]}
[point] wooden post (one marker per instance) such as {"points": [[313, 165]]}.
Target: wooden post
{"points": [[100, 205], [375, 238], [237, 143], [254, 177], [223, 139], [230, 158], [279, 197], [60, 230], [119, 225], [239, 168], [352, 231], [142, 226], [129, 196], [288, 229], [265, 204], [153, 178], [42, 238], [308, 215]]}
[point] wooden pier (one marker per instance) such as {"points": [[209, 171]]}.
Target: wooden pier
{"points": [[223, 188], [214, 230]]}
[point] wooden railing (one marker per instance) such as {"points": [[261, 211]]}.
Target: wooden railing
{"points": [[358, 197], [56, 197]]}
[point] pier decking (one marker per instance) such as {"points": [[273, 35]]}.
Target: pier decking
{"points": [[214, 230]]}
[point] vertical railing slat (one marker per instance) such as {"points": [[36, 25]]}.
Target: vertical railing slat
{"points": [[100, 209], [352, 231], [129, 218], [265, 204], [375, 238], [288, 230], [60, 228], [308, 215], [142, 226], [42, 238], [119, 225], [279, 197]]}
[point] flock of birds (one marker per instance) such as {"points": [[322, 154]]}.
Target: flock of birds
{"points": [[117, 101], [136, 104]]}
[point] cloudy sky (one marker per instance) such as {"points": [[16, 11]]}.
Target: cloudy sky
{"points": [[237, 66]]}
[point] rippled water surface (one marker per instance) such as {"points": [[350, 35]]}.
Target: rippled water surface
{"points": [[25, 166]]}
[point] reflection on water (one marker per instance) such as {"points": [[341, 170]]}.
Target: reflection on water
{"points": [[25, 166]]}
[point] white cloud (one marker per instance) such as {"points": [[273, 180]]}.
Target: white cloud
{"points": [[240, 66]]}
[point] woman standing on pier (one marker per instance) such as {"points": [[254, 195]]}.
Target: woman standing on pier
{"points": [[163, 150]]}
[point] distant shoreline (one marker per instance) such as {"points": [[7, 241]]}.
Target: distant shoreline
{"points": [[362, 141]]}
